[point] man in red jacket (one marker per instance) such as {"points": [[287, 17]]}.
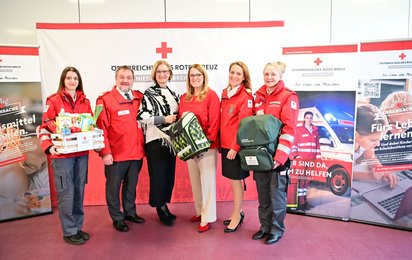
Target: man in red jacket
{"points": [[123, 152]]}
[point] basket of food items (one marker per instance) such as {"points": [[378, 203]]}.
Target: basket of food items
{"points": [[77, 132]]}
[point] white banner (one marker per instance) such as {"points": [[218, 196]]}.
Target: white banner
{"points": [[321, 67], [96, 50]]}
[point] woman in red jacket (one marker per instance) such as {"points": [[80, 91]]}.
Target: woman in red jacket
{"points": [[204, 103], [236, 104], [70, 170], [274, 98]]}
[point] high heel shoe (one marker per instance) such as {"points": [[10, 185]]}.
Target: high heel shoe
{"points": [[226, 222], [230, 230]]}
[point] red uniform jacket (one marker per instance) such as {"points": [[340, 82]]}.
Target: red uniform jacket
{"points": [[306, 144], [283, 104], [54, 104], [123, 137], [207, 112], [233, 110]]}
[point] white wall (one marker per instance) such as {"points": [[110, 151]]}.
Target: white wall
{"points": [[316, 22]]}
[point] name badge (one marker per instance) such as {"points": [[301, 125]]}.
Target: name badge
{"points": [[123, 112]]}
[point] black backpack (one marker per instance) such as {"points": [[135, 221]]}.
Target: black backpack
{"points": [[258, 138]]}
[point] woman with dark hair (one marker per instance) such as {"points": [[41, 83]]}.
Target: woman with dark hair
{"points": [[201, 100], [70, 170], [236, 104], [157, 112]]}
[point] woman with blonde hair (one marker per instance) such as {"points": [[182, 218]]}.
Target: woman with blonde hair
{"points": [[276, 99], [157, 112], [201, 100], [236, 104]]}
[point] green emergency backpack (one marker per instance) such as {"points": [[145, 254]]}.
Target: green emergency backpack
{"points": [[258, 138], [188, 138]]}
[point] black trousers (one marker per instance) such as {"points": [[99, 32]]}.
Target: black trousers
{"points": [[122, 175], [161, 163], [272, 195]]}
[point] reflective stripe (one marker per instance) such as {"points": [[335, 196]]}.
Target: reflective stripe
{"points": [[44, 131], [283, 148], [307, 144], [45, 137], [309, 150], [287, 137]]}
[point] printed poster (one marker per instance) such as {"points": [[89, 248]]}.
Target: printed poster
{"points": [[324, 77], [24, 179], [382, 186]]}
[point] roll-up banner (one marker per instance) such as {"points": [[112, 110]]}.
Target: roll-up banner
{"points": [[98, 49], [382, 186], [324, 78], [24, 179]]}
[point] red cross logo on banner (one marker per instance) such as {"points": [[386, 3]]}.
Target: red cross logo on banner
{"points": [[318, 61], [402, 56], [164, 50]]}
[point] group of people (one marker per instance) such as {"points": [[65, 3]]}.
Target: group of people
{"points": [[148, 117]]}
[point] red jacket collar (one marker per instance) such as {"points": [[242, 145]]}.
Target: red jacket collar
{"points": [[279, 88], [120, 98], [240, 89], [79, 95]]}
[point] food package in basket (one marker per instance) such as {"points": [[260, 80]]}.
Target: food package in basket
{"points": [[76, 133], [80, 141], [188, 138]]}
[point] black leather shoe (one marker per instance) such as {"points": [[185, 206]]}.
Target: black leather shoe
{"points": [[74, 239], [164, 217], [135, 219], [171, 216], [259, 235], [83, 235], [120, 225], [272, 238]]}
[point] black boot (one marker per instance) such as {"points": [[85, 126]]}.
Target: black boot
{"points": [[171, 216], [163, 216]]}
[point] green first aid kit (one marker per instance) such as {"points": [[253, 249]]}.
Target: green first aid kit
{"points": [[188, 138], [258, 137]]}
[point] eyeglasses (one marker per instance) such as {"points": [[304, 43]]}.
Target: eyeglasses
{"points": [[198, 75], [162, 71]]}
